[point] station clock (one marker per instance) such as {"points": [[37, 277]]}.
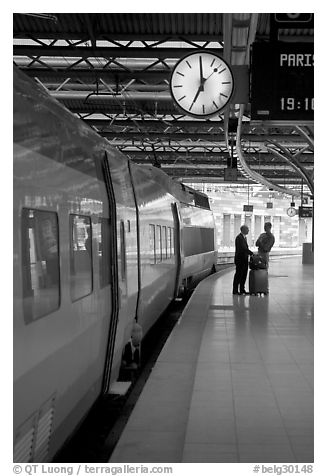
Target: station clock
{"points": [[202, 84], [291, 212]]}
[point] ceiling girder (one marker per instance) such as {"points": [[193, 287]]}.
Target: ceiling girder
{"points": [[191, 125], [50, 75], [104, 52], [213, 136]]}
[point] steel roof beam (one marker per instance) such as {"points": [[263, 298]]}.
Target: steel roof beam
{"points": [[210, 166], [180, 172], [261, 160], [104, 35], [195, 136], [168, 123], [106, 52], [140, 108], [94, 74]]}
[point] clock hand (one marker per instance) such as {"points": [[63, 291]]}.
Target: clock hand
{"points": [[201, 71], [214, 71], [197, 95], [200, 89]]}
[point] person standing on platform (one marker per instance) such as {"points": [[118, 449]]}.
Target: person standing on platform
{"points": [[265, 242], [241, 261]]}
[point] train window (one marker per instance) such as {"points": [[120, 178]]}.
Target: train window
{"points": [[40, 260], [152, 249], [171, 246], [169, 243], [104, 251], [122, 251], [164, 243], [81, 283], [158, 244], [172, 242]]}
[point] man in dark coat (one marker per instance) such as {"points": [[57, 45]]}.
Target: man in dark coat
{"points": [[241, 261]]}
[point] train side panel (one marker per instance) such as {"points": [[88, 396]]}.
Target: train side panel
{"points": [[198, 243], [198, 246], [157, 244], [59, 348], [62, 303]]}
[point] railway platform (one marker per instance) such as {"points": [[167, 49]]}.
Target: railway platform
{"points": [[234, 381]]}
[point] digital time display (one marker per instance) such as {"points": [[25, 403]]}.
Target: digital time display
{"points": [[282, 81], [292, 104]]}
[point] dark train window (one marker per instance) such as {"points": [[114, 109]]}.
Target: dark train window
{"points": [[152, 250], [40, 260], [104, 252], [81, 283], [201, 200], [122, 251], [198, 240], [158, 245], [164, 243], [169, 244]]}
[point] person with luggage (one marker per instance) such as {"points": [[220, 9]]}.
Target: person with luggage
{"points": [[241, 260], [258, 278], [265, 242]]}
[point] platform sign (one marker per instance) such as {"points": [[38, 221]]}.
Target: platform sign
{"points": [[292, 20], [305, 212], [247, 208], [282, 81]]}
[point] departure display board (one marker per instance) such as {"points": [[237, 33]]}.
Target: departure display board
{"points": [[282, 81], [305, 212]]}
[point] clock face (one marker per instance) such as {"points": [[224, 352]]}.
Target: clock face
{"points": [[202, 84], [291, 212]]}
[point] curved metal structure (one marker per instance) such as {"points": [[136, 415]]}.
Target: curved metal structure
{"points": [[245, 169]]}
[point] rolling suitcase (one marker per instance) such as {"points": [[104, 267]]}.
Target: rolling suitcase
{"points": [[258, 281]]}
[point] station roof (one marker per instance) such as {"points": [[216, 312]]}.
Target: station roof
{"points": [[112, 70]]}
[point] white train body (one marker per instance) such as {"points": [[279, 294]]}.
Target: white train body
{"points": [[99, 242]]}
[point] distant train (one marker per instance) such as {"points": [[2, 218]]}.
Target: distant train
{"points": [[99, 244]]}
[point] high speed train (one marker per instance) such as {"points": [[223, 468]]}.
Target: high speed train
{"points": [[100, 245]]}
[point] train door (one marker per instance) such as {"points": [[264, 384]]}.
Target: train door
{"points": [[123, 265], [137, 216], [177, 245], [113, 269]]}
